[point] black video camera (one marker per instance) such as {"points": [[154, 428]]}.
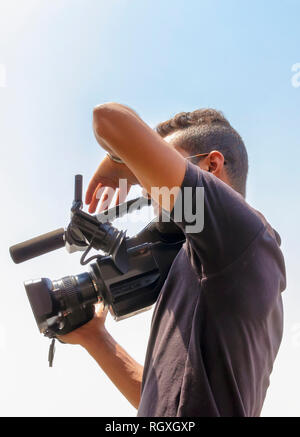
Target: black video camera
{"points": [[128, 278]]}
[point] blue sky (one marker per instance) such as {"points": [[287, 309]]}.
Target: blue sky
{"points": [[61, 58]]}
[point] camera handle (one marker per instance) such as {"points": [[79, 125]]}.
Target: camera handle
{"points": [[84, 232]]}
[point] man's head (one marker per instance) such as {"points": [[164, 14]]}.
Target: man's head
{"points": [[206, 131]]}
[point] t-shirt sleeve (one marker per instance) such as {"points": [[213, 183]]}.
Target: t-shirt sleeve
{"points": [[218, 223]]}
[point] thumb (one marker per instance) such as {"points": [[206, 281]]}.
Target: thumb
{"points": [[101, 310]]}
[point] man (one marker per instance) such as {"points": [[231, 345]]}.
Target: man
{"points": [[217, 324]]}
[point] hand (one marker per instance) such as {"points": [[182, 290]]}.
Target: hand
{"points": [[93, 328], [105, 182]]}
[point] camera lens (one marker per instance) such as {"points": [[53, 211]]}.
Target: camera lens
{"points": [[62, 305], [73, 291]]}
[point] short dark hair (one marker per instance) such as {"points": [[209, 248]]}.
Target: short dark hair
{"points": [[205, 130]]}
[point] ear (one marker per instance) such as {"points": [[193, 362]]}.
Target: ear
{"points": [[215, 161]]}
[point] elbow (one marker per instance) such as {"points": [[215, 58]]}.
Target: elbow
{"points": [[105, 109], [103, 115], [110, 116]]}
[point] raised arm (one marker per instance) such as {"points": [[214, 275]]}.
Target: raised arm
{"points": [[123, 133]]}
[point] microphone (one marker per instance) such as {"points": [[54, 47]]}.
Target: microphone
{"points": [[37, 246]]}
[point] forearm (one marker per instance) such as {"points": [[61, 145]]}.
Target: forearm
{"points": [[118, 365]]}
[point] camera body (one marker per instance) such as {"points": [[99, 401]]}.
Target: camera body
{"points": [[127, 278]]}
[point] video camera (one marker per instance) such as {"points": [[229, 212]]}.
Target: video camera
{"points": [[127, 278]]}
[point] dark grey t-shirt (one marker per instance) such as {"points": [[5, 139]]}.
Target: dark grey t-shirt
{"points": [[218, 320]]}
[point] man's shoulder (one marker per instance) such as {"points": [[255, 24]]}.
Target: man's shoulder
{"points": [[268, 227]]}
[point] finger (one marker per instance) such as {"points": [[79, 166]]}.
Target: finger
{"points": [[94, 200], [145, 193], [122, 195], [96, 197], [100, 309], [106, 198], [94, 182], [117, 201]]}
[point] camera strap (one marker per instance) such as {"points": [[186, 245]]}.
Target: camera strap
{"points": [[51, 352]]}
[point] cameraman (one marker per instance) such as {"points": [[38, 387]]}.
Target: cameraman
{"points": [[217, 325]]}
